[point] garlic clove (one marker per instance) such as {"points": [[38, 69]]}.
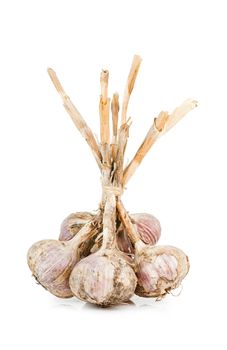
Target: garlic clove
{"points": [[51, 263], [103, 279], [147, 226], [159, 269], [72, 224]]}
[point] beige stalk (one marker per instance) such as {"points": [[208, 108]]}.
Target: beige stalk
{"points": [[115, 112], [76, 117], [161, 125], [129, 86]]}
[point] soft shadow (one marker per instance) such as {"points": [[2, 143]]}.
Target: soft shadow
{"points": [[153, 303], [71, 303], [133, 304], [124, 306]]}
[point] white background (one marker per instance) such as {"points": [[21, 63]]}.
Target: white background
{"points": [[47, 170]]}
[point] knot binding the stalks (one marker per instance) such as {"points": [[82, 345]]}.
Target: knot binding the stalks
{"points": [[115, 190]]}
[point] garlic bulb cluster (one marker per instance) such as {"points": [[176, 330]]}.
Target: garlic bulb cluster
{"points": [[112, 274], [106, 257]]}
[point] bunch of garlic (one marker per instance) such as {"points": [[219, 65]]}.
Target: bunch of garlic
{"points": [[112, 274], [107, 256]]}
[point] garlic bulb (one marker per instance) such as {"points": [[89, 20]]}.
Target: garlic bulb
{"points": [[159, 269], [103, 279], [147, 226], [72, 224], [51, 261]]}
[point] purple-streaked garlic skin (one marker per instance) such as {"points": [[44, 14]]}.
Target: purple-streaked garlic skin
{"points": [[124, 243], [147, 226], [51, 263], [103, 279], [160, 269], [72, 224]]}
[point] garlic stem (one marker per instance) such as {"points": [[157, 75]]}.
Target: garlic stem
{"points": [[161, 125], [87, 231], [104, 109], [149, 140], [122, 142], [76, 117], [129, 227], [104, 78], [130, 85], [104, 105], [109, 222], [115, 111], [180, 112]]}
